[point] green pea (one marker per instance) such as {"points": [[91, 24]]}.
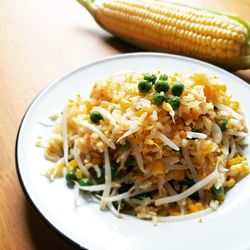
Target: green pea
{"points": [[217, 192], [95, 116], [175, 102], [159, 98], [150, 77], [85, 182], [71, 176], [144, 86], [161, 86], [177, 89], [163, 77], [125, 147], [223, 124]]}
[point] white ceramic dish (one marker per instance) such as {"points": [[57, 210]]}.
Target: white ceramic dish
{"points": [[227, 228]]}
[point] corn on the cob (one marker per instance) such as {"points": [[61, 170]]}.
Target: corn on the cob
{"points": [[169, 27]]}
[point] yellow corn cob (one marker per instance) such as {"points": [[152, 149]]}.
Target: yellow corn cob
{"points": [[170, 27]]}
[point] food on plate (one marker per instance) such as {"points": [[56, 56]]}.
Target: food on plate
{"points": [[158, 25], [151, 144]]}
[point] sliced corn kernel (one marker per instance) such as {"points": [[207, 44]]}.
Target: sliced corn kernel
{"points": [[238, 171], [206, 147], [221, 87], [72, 164], [59, 170], [55, 172], [210, 93], [166, 106], [151, 142], [89, 165], [177, 175], [140, 112], [195, 207], [157, 167], [244, 169], [124, 103], [192, 208], [88, 105], [236, 160], [236, 105], [79, 174]]}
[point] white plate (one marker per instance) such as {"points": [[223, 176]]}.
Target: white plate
{"points": [[227, 228]]}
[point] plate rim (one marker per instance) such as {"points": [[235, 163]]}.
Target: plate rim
{"points": [[67, 74]]}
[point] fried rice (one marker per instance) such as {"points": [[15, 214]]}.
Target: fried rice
{"points": [[148, 159]]}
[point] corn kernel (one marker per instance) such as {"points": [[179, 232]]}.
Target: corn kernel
{"points": [[140, 112], [244, 169], [177, 175], [192, 208], [151, 142], [157, 168], [59, 170], [195, 207], [125, 104], [166, 106], [79, 174], [206, 148], [236, 105], [222, 87], [88, 105], [72, 164], [88, 165], [236, 160]]}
